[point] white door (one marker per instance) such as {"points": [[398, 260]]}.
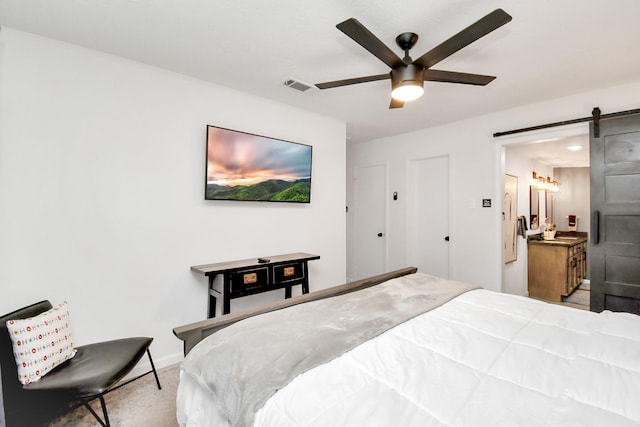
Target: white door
{"points": [[428, 215], [370, 221]]}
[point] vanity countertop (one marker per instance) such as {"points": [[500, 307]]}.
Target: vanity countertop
{"points": [[559, 241], [563, 238]]}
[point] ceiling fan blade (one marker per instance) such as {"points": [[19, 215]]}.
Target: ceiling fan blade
{"points": [[395, 103], [473, 32], [365, 38], [455, 77], [356, 80]]}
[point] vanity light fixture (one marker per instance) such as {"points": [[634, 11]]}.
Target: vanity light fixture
{"points": [[544, 184], [574, 147]]}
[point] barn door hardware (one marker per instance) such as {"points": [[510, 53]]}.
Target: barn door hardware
{"points": [[595, 116], [596, 122]]}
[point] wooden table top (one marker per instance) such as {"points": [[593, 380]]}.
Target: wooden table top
{"points": [[221, 267]]}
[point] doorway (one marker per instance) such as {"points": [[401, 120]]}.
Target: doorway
{"points": [[542, 152]]}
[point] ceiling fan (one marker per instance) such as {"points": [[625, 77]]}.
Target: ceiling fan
{"points": [[407, 75]]}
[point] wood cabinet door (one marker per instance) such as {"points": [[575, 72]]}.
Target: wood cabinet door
{"points": [[615, 207]]}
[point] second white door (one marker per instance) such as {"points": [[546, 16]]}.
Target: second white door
{"points": [[428, 215]]}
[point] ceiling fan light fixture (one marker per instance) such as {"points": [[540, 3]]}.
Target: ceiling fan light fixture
{"points": [[407, 83], [407, 91]]}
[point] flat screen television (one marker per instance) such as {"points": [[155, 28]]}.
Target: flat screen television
{"points": [[243, 166]]}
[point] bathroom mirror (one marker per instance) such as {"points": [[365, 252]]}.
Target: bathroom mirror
{"points": [[534, 205]]}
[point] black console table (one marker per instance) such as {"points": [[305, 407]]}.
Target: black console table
{"points": [[256, 275]]}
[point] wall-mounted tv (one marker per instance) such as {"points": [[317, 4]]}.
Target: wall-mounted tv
{"points": [[243, 166]]}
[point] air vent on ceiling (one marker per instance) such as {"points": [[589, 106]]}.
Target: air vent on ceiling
{"points": [[296, 84]]}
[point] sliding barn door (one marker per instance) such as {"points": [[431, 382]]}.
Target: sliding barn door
{"points": [[615, 206]]}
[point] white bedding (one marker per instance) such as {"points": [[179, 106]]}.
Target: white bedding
{"points": [[482, 359]]}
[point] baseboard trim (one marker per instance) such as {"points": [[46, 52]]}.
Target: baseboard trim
{"points": [[163, 362]]}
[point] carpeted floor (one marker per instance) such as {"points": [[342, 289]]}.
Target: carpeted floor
{"points": [[138, 404]]}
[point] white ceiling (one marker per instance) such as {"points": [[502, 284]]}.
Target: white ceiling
{"points": [[554, 152], [549, 49]]}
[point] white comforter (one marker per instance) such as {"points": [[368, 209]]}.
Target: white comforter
{"points": [[482, 359]]}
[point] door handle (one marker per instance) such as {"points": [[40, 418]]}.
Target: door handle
{"points": [[380, 234], [446, 238], [596, 227]]}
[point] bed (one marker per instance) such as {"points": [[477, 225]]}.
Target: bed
{"points": [[410, 349]]}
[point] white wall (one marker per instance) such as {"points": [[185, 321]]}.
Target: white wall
{"points": [[477, 168], [101, 191], [573, 197]]}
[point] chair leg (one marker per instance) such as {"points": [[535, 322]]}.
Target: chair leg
{"points": [[104, 412], [105, 422], [153, 368]]}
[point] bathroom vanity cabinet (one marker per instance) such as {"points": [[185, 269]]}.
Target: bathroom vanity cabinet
{"points": [[556, 267]]}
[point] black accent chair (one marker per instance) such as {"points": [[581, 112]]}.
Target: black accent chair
{"points": [[94, 371]]}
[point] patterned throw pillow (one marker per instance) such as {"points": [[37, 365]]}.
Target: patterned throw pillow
{"points": [[41, 343]]}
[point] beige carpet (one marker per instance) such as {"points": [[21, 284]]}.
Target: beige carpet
{"points": [[138, 404]]}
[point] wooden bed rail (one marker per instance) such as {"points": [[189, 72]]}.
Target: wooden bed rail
{"points": [[193, 333]]}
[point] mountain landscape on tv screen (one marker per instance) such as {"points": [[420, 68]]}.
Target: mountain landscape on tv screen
{"points": [[274, 190]]}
